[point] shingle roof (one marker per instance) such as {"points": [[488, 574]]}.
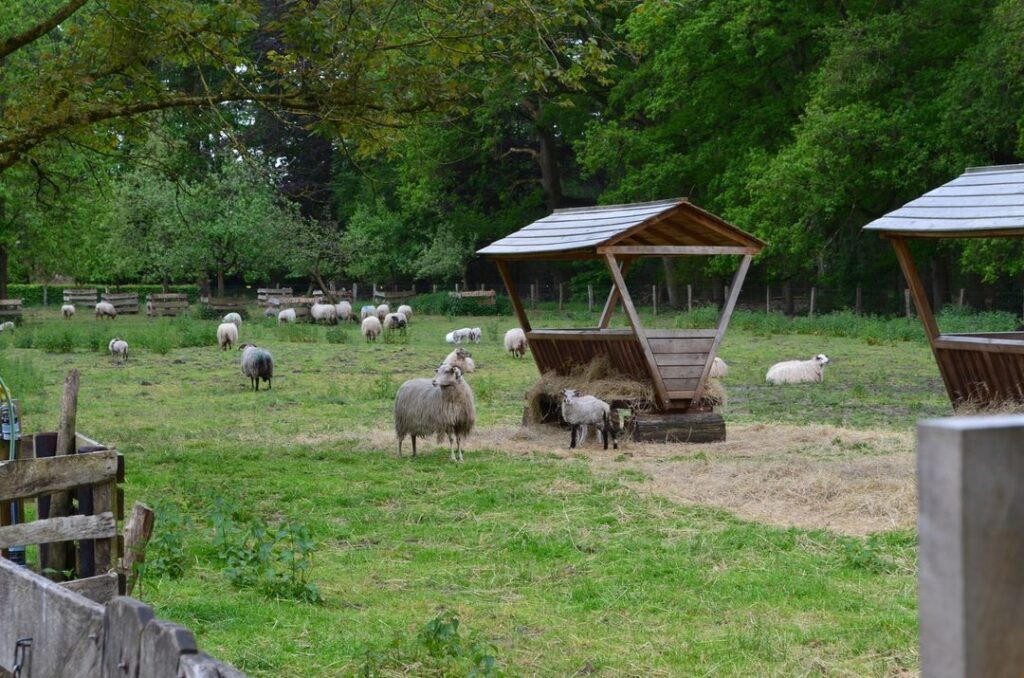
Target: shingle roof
{"points": [[983, 201], [578, 232]]}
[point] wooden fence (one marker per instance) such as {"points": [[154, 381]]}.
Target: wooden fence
{"points": [[264, 294], [483, 297], [225, 304], [300, 304], [10, 309], [170, 303], [80, 297], [123, 302]]}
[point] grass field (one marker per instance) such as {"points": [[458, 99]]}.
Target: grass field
{"points": [[526, 559]]}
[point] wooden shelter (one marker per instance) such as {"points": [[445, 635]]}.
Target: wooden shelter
{"points": [[676, 362], [984, 202]]}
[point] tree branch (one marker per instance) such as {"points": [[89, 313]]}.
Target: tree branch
{"points": [[15, 43]]}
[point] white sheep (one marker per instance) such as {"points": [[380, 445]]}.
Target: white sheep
{"points": [[443, 406], [227, 335], [395, 321], [105, 309], [366, 311], [515, 342], [458, 336], [719, 368], [475, 335], [798, 371], [371, 328], [582, 411], [67, 310], [286, 316], [233, 318], [257, 363], [382, 312], [118, 350], [7, 326], [462, 359], [406, 310], [325, 312], [344, 310]]}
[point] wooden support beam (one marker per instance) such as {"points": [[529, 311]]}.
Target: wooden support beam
{"points": [[513, 295], [723, 320], [676, 250], [613, 298], [634, 321]]}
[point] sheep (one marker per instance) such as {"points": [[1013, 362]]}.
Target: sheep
{"points": [[515, 342], [286, 316], [326, 312], [150, 310], [395, 321], [371, 328], [9, 325], [233, 318], [67, 310], [475, 335], [406, 310], [344, 310], [443, 405], [458, 336], [118, 350], [462, 359], [798, 371], [586, 411], [105, 309], [382, 312], [269, 312], [719, 368], [366, 311], [227, 334], [257, 363]]}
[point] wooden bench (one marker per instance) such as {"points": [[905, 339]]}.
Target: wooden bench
{"points": [[167, 304], [123, 302], [10, 309], [81, 297]]}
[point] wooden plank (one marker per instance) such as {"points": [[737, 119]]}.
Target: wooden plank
{"points": [[634, 321], [682, 384], [676, 250], [681, 334], [201, 665], [104, 497], [699, 345], [66, 628], [991, 344], [123, 624], [723, 319], [513, 296], [680, 372], [681, 395], [100, 589], [137, 532], [59, 529], [163, 645], [681, 427], [666, 359], [613, 298], [589, 335], [31, 478]]}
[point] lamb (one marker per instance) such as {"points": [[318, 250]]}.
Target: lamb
{"points": [[9, 325], [406, 310], [443, 405], [458, 336], [326, 312], [382, 312], [719, 368], [798, 371], [366, 311], [227, 334], [371, 328], [67, 310], [118, 350], [286, 316], [462, 359], [475, 335], [344, 310], [395, 321], [515, 342], [105, 309], [233, 318], [257, 363], [586, 411]]}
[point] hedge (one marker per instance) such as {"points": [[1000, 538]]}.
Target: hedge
{"points": [[443, 303], [32, 295]]}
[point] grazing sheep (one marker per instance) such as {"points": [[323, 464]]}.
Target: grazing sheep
{"points": [[105, 309], [326, 312], [9, 325], [515, 342], [458, 336], [67, 310], [257, 363], [344, 310], [406, 310], [286, 316], [395, 321], [586, 411], [475, 335], [118, 350], [233, 318], [443, 405], [371, 328], [366, 311], [269, 312], [150, 310], [462, 359], [382, 312], [719, 368], [798, 371], [227, 335]]}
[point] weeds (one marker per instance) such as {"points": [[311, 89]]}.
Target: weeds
{"points": [[439, 649], [338, 335]]}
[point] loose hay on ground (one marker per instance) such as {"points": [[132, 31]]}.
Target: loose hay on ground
{"points": [[597, 378]]}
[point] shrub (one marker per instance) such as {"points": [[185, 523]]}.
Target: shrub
{"points": [[443, 303], [55, 339], [338, 335]]}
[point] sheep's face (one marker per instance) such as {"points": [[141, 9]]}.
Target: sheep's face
{"points": [[821, 359], [447, 375], [463, 353], [242, 347], [568, 394]]}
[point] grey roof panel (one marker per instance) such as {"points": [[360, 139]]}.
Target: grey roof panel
{"points": [[981, 201]]}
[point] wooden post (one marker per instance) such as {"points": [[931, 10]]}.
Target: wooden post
{"points": [[481, 287], [456, 288], [55, 555], [559, 296], [613, 298], [533, 295], [45, 288], [689, 298], [434, 288], [906, 301], [654, 298], [513, 296], [137, 531], [355, 292], [811, 310], [859, 302], [767, 298], [971, 508], [726, 294], [590, 298], [961, 304]]}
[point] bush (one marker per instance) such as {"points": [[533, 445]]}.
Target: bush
{"points": [[443, 303], [55, 339]]}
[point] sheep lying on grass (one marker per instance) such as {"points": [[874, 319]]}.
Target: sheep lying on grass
{"points": [[371, 328], [234, 318], [227, 335], [366, 311], [462, 359], [286, 316], [344, 310], [105, 309], [67, 310], [719, 368], [395, 321], [118, 350], [406, 310], [582, 411], [443, 406], [515, 342], [257, 363], [798, 371]]}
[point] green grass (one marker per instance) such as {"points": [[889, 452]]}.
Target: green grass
{"points": [[550, 565]]}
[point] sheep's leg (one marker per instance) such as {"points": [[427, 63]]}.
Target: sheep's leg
{"points": [[414, 446], [458, 443], [400, 439], [268, 383], [572, 436]]}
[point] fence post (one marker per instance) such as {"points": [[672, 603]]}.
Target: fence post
{"points": [[858, 303], [456, 288], [811, 313], [654, 298], [355, 292], [481, 287], [961, 304], [559, 296], [906, 300], [725, 297], [590, 298], [533, 295], [689, 298], [768, 299], [970, 510], [45, 287]]}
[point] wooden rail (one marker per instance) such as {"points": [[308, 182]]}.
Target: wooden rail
{"points": [[265, 293], [83, 296], [170, 303], [123, 302]]}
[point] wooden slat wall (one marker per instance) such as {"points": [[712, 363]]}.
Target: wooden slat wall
{"points": [[982, 376]]}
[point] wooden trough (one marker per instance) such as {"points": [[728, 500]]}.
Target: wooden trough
{"points": [[985, 368], [167, 304], [126, 302], [675, 362], [226, 304]]}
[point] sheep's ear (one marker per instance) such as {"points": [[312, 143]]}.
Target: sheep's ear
{"points": [[458, 373]]}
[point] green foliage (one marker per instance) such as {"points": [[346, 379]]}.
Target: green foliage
{"points": [[339, 334], [55, 338], [438, 649], [165, 553], [443, 303]]}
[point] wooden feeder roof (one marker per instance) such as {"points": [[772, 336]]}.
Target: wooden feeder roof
{"points": [[665, 227], [982, 202]]}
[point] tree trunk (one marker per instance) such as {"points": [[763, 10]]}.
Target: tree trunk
{"points": [[550, 178], [787, 299], [3, 272], [671, 282], [220, 282]]}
